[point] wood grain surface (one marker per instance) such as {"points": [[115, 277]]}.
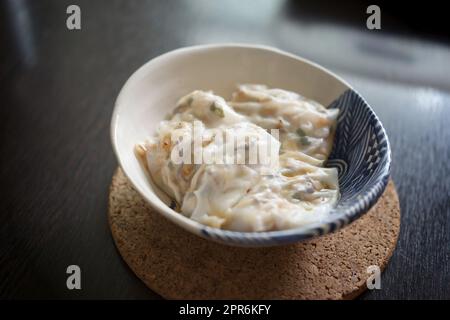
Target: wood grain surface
{"points": [[57, 91]]}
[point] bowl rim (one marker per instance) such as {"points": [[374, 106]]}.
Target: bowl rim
{"points": [[295, 234]]}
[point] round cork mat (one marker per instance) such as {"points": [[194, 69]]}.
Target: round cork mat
{"points": [[179, 265]]}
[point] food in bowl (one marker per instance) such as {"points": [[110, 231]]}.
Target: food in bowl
{"points": [[254, 163]]}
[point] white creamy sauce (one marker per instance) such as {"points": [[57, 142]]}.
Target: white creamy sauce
{"points": [[294, 192]]}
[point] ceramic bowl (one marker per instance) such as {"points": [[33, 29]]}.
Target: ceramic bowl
{"points": [[361, 151]]}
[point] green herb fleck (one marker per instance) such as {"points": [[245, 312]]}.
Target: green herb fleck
{"points": [[298, 195], [173, 204], [217, 110], [190, 100], [305, 141], [300, 132]]}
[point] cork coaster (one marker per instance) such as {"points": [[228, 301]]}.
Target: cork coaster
{"points": [[179, 265]]}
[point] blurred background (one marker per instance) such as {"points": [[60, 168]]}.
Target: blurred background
{"points": [[58, 87]]}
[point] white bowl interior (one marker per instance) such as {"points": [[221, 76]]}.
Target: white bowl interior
{"points": [[152, 92]]}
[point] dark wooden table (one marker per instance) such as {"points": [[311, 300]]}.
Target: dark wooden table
{"points": [[57, 90]]}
